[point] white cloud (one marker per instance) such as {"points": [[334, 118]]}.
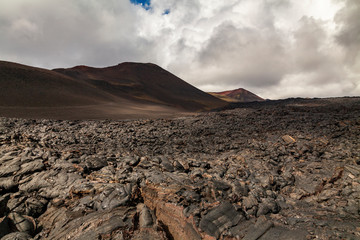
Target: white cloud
{"points": [[276, 48]]}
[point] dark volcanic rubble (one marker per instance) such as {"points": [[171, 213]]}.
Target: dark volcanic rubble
{"points": [[283, 170]]}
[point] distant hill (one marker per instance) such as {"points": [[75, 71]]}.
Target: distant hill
{"points": [[128, 90], [237, 95]]}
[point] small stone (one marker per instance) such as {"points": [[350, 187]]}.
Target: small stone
{"points": [[353, 169], [23, 223], [351, 176], [220, 185], [220, 218], [196, 173], [166, 165], [328, 194], [178, 166], [30, 167], [57, 202], [189, 195], [268, 205], [8, 183], [6, 171], [280, 233], [17, 236], [288, 139], [241, 189], [249, 202], [35, 207], [95, 163], [131, 161], [115, 196], [145, 218], [261, 226], [3, 204]]}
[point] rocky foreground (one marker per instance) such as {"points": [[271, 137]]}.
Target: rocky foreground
{"points": [[286, 170]]}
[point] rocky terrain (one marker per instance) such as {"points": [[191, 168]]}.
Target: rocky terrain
{"points": [[276, 170]]}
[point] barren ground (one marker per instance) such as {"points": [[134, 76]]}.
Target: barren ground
{"points": [[274, 170]]}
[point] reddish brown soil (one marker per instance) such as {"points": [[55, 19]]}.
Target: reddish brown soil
{"points": [[238, 95]]}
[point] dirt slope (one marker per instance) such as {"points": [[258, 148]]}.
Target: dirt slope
{"points": [[145, 83], [237, 95], [24, 86]]}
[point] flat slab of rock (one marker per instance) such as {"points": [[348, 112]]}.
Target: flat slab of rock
{"points": [[220, 218], [280, 233], [101, 224], [17, 236], [261, 226]]}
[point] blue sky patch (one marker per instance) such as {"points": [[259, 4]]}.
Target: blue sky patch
{"points": [[166, 12], [144, 3]]}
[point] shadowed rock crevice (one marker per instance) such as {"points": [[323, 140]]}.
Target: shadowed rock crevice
{"points": [[165, 228]]}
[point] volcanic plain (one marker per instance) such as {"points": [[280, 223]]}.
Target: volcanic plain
{"points": [[286, 169]]}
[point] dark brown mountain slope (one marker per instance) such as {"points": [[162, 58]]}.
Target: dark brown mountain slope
{"points": [[24, 86], [237, 95], [128, 90], [145, 83]]}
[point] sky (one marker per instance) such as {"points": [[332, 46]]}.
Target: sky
{"points": [[274, 48]]}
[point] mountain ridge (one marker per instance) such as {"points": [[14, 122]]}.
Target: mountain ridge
{"points": [[145, 81]]}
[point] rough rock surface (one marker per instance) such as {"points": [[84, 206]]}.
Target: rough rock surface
{"points": [[273, 170]]}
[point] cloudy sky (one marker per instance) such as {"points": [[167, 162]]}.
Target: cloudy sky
{"points": [[274, 48]]}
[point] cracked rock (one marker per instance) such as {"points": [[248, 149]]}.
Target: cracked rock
{"points": [[220, 218]]}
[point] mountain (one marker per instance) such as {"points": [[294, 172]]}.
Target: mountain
{"points": [[237, 95], [145, 83], [128, 90], [25, 86]]}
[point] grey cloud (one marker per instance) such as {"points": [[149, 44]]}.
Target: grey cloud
{"points": [[263, 58], [278, 3], [349, 37], [245, 56], [67, 33], [311, 56], [308, 40]]}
